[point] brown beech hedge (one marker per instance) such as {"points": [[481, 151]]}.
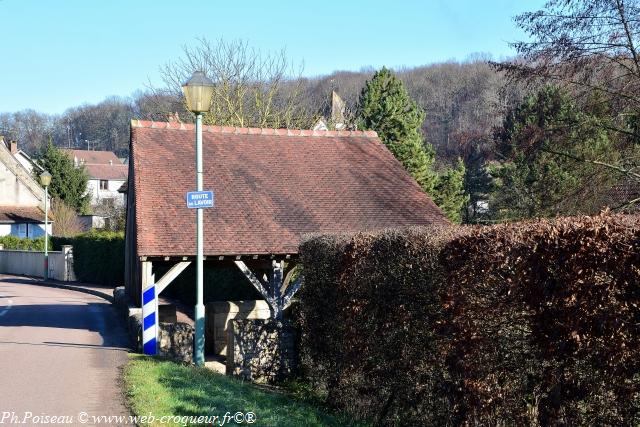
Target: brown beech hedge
{"points": [[534, 323]]}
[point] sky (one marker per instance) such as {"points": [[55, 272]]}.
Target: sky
{"points": [[57, 54]]}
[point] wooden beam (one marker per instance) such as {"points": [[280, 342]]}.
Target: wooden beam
{"points": [[290, 292], [257, 283], [170, 275]]}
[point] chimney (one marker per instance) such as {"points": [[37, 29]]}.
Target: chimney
{"points": [[13, 147]]}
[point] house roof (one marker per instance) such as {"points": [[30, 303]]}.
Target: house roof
{"points": [[100, 164], [271, 187], [113, 172], [21, 173], [21, 214], [94, 156]]}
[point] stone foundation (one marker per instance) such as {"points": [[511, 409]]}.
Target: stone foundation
{"points": [[219, 316], [176, 339], [261, 350]]}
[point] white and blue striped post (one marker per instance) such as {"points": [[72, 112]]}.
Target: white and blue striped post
{"points": [[149, 321]]}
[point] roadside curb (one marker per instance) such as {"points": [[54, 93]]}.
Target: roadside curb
{"points": [[51, 284]]}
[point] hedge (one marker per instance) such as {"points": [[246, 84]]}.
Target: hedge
{"points": [[26, 244], [534, 323], [98, 256]]}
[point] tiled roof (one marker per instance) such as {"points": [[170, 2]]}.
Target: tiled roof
{"points": [[21, 214], [115, 171], [93, 156], [271, 186]]}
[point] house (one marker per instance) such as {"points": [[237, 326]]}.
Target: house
{"points": [[272, 186], [25, 160], [106, 174], [21, 197]]}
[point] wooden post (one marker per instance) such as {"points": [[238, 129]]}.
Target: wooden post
{"points": [[273, 290], [148, 277]]}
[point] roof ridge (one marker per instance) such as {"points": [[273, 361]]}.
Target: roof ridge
{"points": [[252, 131]]}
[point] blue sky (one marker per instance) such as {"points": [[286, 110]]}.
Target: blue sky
{"points": [[57, 54]]}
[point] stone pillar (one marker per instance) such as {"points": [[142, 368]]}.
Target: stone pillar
{"points": [[67, 255], [262, 350]]}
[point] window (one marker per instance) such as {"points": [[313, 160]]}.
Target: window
{"points": [[104, 184], [22, 230]]}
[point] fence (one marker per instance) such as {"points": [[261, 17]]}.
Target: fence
{"points": [[31, 263]]}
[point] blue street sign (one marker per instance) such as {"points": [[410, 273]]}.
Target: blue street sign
{"points": [[200, 199]]}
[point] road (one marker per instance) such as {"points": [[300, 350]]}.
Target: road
{"points": [[60, 354]]}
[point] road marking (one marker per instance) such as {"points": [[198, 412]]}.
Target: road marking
{"points": [[7, 308]]}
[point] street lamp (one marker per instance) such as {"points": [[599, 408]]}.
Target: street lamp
{"points": [[198, 92], [45, 180]]}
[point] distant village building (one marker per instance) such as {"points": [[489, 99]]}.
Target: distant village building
{"points": [[21, 197], [106, 173], [25, 160]]}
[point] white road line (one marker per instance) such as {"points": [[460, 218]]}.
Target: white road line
{"points": [[7, 308]]}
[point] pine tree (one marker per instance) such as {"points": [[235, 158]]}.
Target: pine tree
{"points": [[385, 106], [68, 183], [548, 144]]}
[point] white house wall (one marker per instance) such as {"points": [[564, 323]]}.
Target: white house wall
{"points": [[93, 189], [13, 191]]}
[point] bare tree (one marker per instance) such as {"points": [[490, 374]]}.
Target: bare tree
{"points": [[30, 128], [249, 84], [102, 126], [66, 222]]}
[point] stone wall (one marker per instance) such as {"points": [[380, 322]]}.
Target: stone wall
{"points": [[219, 316], [175, 339], [262, 350], [31, 263]]}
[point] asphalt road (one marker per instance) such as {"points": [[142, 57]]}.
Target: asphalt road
{"points": [[60, 355]]}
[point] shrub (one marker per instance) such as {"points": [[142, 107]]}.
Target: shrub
{"points": [[98, 256], [535, 323], [19, 243], [374, 336], [547, 321]]}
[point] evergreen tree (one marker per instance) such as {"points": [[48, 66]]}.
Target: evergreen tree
{"points": [[449, 192], [548, 145], [478, 183], [385, 106], [68, 183]]}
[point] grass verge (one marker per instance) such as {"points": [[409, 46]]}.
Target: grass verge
{"points": [[164, 388]]}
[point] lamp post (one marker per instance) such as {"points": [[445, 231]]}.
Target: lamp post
{"points": [[45, 180], [198, 92]]}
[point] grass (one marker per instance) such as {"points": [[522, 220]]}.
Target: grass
{"points": [[161, 387]]}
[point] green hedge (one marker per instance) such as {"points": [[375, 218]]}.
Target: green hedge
{"points": [[18, 243], [536, 323], [98, 256]]}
